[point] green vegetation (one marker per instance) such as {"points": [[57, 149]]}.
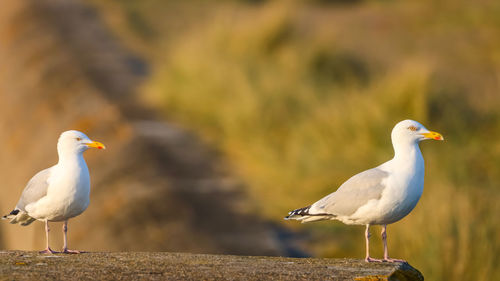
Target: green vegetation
{"points": [[300, 96]]}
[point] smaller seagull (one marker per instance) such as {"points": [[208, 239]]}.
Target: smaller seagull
{"points": [[378, 196], [60, 192]]}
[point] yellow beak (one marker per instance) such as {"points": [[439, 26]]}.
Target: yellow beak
{"points": [[96, 144], [433, 135]]}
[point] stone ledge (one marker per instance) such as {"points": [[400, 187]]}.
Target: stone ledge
{"points": [[21, 265]]}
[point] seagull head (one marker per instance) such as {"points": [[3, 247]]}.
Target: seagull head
{"points": [[411, 132], [76, 142]]}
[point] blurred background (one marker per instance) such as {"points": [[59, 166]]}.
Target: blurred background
{"points": [[222, 116]]}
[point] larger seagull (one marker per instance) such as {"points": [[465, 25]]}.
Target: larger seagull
{"points": [[60, 192], [378, 196]]}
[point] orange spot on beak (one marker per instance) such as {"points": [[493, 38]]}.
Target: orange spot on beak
{"points": [[96, 144], [433, 135]]}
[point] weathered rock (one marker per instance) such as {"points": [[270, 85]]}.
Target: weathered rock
{"points": [[19, 265]]}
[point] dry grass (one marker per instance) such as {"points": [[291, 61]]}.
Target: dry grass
{"points": [[302, 96]]}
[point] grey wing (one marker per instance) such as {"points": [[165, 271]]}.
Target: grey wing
{"points": [[35, 189], [352, 194]]}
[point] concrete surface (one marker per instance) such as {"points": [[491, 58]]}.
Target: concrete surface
{"points": [[21, 265]]}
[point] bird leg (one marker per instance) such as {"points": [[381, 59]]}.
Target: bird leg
{"points": [[47, 250], [384, 240], [65, 232], [367, 238]]}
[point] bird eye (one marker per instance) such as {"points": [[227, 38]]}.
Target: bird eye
{"points": [[412, 128], [78, 139]]}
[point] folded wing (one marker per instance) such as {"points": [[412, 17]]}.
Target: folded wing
{"points": [[34, 191], [348, 198]]}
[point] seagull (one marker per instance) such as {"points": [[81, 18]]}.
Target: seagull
{"points": [[60, 192], [381, 195]]}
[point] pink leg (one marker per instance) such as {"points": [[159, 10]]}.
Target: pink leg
{"points": [[386, 254], [367, 239], [47, 250], [65, 248]]}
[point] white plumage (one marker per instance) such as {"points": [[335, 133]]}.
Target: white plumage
{"points": [[382, 195], [60, 192]]}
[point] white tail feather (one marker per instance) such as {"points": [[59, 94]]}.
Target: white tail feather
{"points": [[18, 216]]}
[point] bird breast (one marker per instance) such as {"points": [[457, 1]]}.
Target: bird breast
{"points": [[68, 193], [401, 196]]}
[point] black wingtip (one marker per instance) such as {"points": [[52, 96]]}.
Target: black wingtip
{"points": [[299, 212], [13, 213]]}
